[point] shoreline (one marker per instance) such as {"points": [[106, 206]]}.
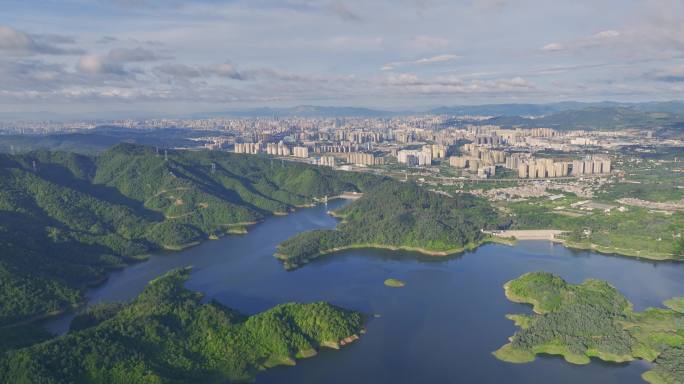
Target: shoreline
{"points": [[491, 239], [631, 253], [234, 229], [508, 353], [291, 360], [289, 264], [550, 235]]}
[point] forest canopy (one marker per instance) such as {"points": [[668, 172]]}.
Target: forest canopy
{"points": [[67, 220], [399, 215], [168, 335], [593, 319]]}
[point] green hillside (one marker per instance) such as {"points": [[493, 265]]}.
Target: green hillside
{"points": [[67, 220], [166, 335], [398, 215]]}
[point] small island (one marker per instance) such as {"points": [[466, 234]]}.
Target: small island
{"points": [[593, 319], [395, 283], [399, 216], [167, 333]]}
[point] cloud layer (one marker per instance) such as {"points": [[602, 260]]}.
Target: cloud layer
{"points": [[205, 54]]}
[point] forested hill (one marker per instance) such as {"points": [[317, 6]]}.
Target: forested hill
{"points": [[166, 335], [593, 319], [67, 220], [393, 214]]}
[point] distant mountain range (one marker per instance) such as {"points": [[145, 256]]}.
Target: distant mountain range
{"points": [[546, 109], [309, 111], [596, 118], [665, 117], [495, 110]]}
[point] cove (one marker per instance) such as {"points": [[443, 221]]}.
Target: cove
{"points": [[441, 327]]}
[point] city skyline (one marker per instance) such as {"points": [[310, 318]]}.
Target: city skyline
{"points": [[109, 56]]}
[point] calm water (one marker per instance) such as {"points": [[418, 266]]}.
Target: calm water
{"points": [[440, 328]]}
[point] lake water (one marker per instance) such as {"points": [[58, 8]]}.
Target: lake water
{"points": [[440, 328]]}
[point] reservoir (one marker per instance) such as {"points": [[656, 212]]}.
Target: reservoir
{"points": [[440, 328]]}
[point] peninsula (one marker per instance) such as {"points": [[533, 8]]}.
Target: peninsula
{"points": [[593, 319], [399, 216], [167, 334]]}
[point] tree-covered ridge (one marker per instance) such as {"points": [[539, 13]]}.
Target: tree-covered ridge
{"points": [[593, 319], [167, 335], [398, 215], [67, 220]]}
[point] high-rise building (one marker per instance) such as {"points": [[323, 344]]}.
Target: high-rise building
{"points": [[327, 161], [250, 148], [542, 168], [302, 152], [360, 158], [595, 165], [413, 157]]}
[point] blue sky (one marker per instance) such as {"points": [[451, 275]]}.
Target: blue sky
{"points": [[178, 56]]}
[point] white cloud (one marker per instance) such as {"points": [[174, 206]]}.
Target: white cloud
{"points": [[436, 59], [552, 47], [99, 64], [637, 48], [452, 84], [596, 40], [113, 62], [18, 43], [225, 70], [607, 34], [425, 60]]}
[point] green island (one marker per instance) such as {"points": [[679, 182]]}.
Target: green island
{"points": [[167, 335], [398, 216], [395, 283], [593, 319], [67, 220]]}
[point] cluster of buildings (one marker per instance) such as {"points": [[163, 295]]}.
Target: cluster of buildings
{"points": [[533, 168], [249, 148], [326, 161], [594, 165], [543, 168], [487, 148], [421, 141], [301, 152], [482, 161], [415, 157], [275, 149], [360, 158]]}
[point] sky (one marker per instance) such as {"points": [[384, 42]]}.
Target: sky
{"points": [[181, 56]]}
